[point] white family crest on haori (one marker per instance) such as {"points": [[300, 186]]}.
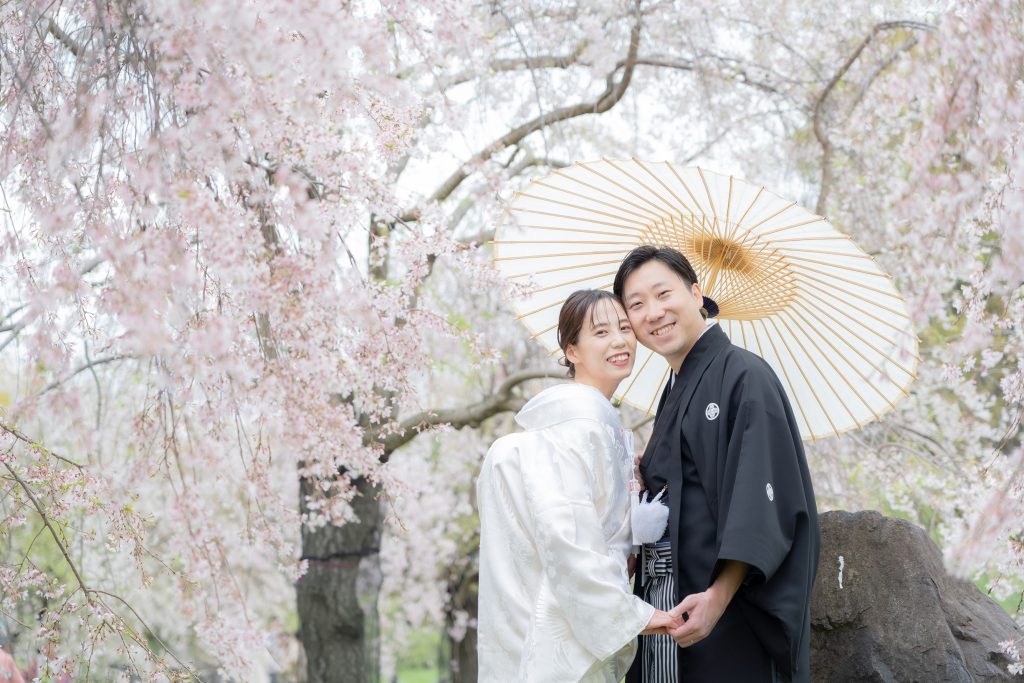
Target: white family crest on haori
{"points": [[711, 412], [790, 287], [770, 491]]}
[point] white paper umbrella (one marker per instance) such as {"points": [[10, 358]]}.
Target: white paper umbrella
{"points": [[790, 287]]}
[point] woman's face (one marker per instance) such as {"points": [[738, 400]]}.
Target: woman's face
{"points": [[606, 348]]}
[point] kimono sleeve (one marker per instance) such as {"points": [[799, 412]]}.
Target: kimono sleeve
{"points": [[587, 581], [764, 491]]}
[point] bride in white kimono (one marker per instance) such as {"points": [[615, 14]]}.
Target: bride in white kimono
{"points": [[554, 597]]}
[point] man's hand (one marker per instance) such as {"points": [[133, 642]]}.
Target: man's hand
{"points": [[631, 565], [700, 612], [661, 623]]}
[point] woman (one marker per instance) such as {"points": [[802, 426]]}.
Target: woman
{"points": [[554, 601]]}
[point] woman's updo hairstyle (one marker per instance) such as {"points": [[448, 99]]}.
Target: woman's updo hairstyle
{"points": [[576, 310]]}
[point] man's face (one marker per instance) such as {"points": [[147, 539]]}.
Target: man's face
{"points": [[664, 311]]}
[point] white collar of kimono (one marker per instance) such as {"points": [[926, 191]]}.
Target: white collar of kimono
{"points": [[564, 402]]}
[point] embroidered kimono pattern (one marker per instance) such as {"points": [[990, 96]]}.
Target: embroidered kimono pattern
{"points": [[554, 597]]}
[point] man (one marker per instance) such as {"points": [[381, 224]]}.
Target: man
{"points": [[743, 525]]}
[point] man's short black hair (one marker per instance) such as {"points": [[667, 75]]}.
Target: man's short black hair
{"points": [[641, 255], [671, 258]]}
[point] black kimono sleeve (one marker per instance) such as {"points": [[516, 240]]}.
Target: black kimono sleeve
{"points": [[767, 514], [761, 488]]}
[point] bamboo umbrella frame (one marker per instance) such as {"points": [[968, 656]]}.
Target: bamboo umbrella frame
{"points": [[790, 286]]}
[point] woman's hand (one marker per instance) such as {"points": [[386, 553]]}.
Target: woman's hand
{"points": [[637, 457], [661, 623]]}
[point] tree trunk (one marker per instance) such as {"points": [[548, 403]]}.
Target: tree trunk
{"points": [[463, 663], [337, 597], [461, 654]]}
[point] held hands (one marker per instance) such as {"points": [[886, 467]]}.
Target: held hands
{"points": [[661, 623], [702, 612]]}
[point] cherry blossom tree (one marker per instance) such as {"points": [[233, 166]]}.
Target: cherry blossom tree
{"points": [[187, 333], [245, 281]]}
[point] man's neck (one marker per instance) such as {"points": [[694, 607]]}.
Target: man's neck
{"points": [[679, 364]]}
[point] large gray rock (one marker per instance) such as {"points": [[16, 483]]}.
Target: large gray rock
{"points": [[885, 609]]}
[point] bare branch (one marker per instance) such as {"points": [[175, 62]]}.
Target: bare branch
{"points": [[530, 161], [613, 92], [539, 62], [520, 64], [41, 511], [14, 311], [726, 130], [85, 366], [906, 46], [737, 74], [89, 592], [487, 234], [16, 328], [819, 106], [64, 39], [471, 415], [460, 212], [150, 632], [13, 431]]}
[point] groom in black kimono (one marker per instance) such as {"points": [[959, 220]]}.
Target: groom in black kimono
{"points": [[743, 523]]}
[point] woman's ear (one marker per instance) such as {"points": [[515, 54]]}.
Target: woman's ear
{"points": [[571, 354]]}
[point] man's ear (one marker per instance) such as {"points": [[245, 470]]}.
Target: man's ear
{"points": [[696, 291]]}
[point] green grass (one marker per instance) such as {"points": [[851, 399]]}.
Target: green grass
{"points": [[417, 660], [418, 676]]}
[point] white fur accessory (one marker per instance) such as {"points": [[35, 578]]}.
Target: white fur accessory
{"points": [[648, 518]]}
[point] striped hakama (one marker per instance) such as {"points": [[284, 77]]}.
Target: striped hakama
{"points": [[657, 653]]}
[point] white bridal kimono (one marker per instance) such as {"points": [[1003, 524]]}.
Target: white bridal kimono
{"points": [[555, 602]]}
